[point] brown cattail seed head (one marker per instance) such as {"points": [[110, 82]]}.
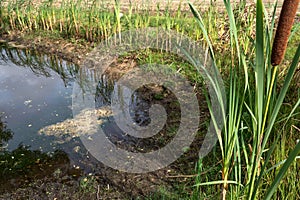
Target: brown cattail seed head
{"points": [[286, 20]]}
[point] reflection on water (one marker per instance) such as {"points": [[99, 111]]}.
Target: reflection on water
{"points": [[36, 105], [5, 135], [35, 91]]}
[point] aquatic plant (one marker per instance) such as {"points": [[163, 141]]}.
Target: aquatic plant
{"points": [[253, 108]]}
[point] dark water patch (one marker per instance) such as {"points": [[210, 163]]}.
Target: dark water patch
{"points": [[141, 102]]}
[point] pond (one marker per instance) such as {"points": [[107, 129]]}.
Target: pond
{"points": [[36, 106], [40, 136]]}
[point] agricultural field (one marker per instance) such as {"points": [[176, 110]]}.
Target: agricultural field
{"points": [[245, 96]]}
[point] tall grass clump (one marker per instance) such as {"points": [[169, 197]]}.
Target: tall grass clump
{"points": [[249, 137], [92, 21]]}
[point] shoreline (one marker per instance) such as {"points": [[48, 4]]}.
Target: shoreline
{"points": [[62, 48]]}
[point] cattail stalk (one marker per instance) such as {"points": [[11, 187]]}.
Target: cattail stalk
{"points": [[286, 20]]}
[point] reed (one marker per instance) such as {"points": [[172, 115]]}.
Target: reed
{"points": [[253, 109], [74, 19]]}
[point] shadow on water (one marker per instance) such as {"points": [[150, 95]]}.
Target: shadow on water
{"points": [[22, 165], [5, 135]]}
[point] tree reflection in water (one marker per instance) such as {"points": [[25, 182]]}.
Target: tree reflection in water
{"points": [[5, 134]]}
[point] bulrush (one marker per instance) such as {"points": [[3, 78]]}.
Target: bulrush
{"points": [[286, 20]]}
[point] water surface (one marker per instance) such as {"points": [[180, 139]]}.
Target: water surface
{"points": [[35, 91]]}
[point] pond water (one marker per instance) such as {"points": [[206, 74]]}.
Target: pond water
{"points": [[35, 91]]}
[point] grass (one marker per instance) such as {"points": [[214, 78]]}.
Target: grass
{"points": [[173, 61], [257, 148], [93, 22]]}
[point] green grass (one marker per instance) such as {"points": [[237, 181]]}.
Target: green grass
{"points": [[93, 23], [173, 61]]}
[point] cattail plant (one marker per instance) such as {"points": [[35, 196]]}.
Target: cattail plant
{"points": [[243, 169], [286, 21]]}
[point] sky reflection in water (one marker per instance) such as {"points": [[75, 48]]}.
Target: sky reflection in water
{"points": [[28, 102]]}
